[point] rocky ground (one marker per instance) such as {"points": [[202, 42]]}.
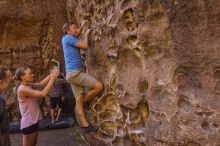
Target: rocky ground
{"points": [[62, 137]]}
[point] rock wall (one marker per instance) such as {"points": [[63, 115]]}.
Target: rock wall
{"points": [[159, 62], [30, 34]]}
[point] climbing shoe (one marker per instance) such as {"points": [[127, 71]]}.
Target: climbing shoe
{"points": [[90, 128], [86, 105]]}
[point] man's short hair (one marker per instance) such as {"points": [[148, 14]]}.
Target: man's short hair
{"points": [[65, 27]]}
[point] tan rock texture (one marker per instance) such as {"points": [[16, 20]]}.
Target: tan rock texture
{"points": [[30, 33], [158, 59]]}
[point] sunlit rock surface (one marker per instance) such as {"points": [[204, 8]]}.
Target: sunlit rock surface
{"points": [[159, 62], [30, 34]]}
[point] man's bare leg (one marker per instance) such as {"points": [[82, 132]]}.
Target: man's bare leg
{"points": [[80, 112], [98, 87]]}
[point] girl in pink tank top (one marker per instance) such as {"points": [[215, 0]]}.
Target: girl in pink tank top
{"points": [[29, 109], [27, 96]]}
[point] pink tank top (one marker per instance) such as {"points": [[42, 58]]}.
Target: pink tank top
{"points": [[29, 109]]}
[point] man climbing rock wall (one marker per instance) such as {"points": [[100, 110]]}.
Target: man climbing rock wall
{"points": [[159, 62]]}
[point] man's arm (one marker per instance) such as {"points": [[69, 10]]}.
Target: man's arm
{"points": [[84, 42], [81, 27]]}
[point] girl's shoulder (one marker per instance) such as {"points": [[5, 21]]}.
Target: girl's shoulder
{"points": [[22, 87]]}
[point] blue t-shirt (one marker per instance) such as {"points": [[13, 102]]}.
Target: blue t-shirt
{"points": [[72, 54]]}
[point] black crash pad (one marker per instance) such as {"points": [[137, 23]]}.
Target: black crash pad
{"points": [[65, 121]]}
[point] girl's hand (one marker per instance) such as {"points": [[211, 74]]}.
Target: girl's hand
{"points": [[55, 73]]}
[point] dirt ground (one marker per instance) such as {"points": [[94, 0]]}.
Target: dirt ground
{"points": [[61, 137]]}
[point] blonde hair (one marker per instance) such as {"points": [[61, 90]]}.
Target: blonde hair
{"points": [[66, 27]]}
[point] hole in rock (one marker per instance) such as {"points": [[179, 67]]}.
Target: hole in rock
{"points": [[110, 101], [129, 20], [205, 126], [215, 125], [107, 114], [109, 128], [117, 141], [143, 86], [132, 39], [98, 107], [131, 26], [144, 109]]}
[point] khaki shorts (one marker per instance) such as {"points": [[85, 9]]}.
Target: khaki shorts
{"points": [[79, 80]]}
